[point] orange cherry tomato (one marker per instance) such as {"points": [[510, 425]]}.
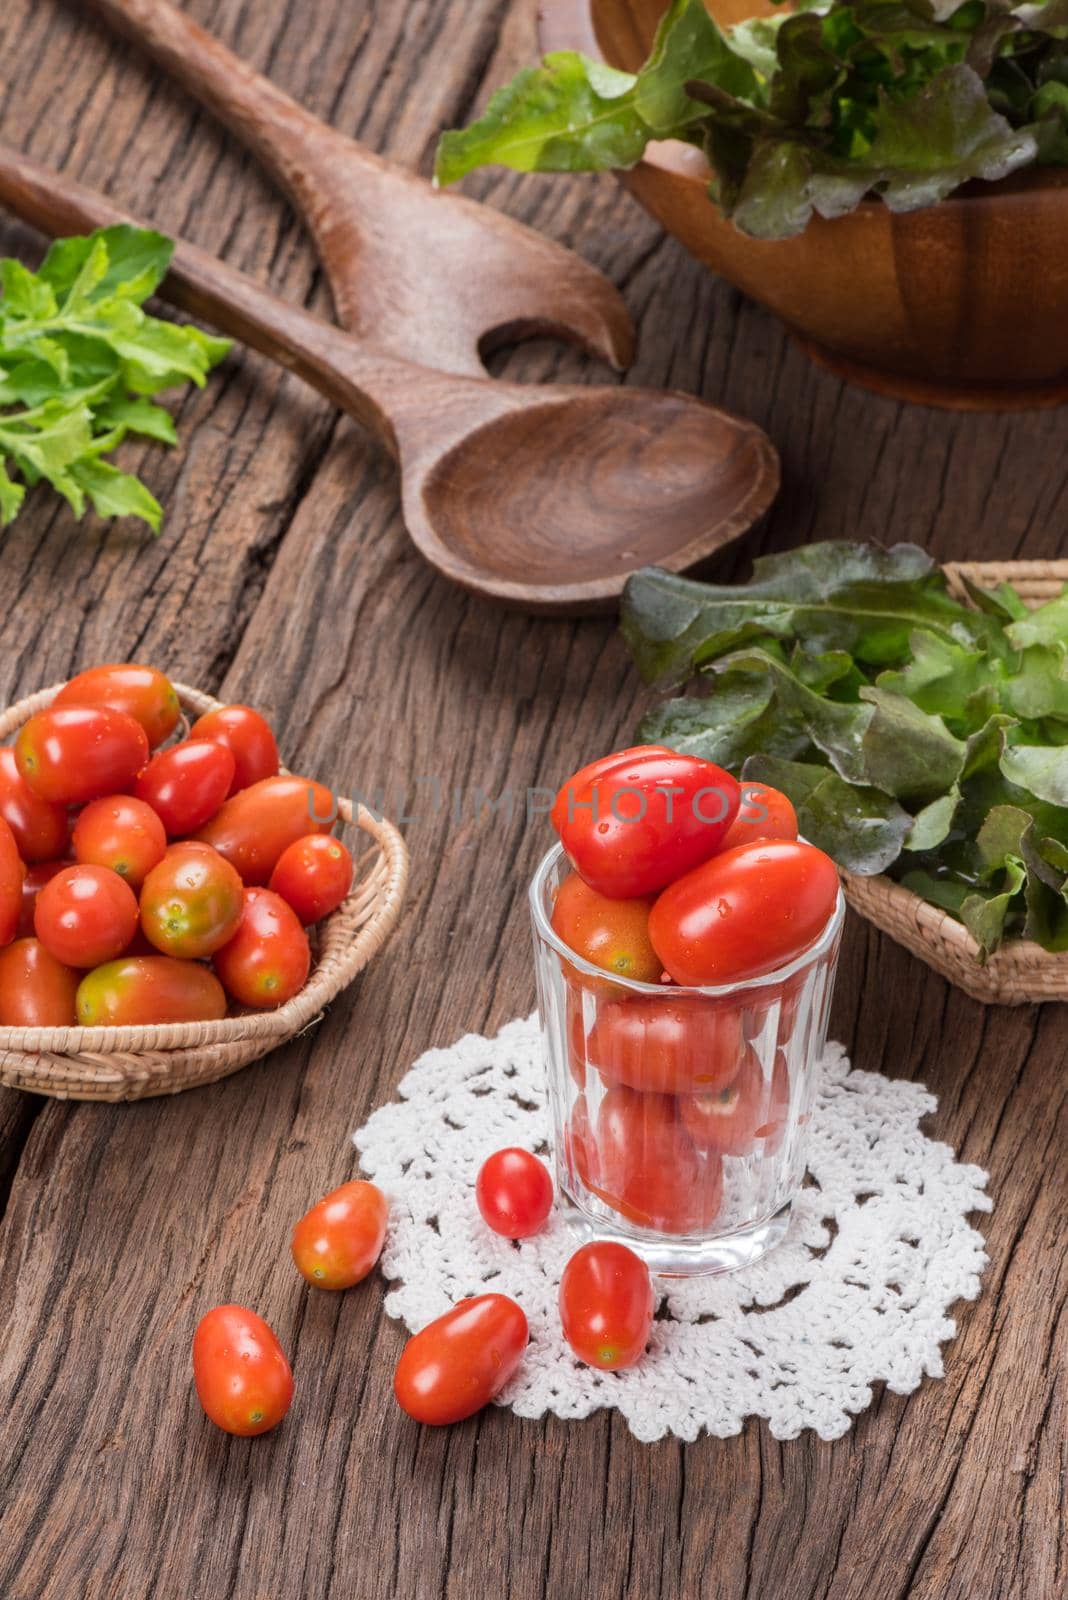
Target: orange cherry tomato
{"points": [[191, 903], [41, 829], [267, 960], [643, 1163], [32, 884], [141, 990], [254, 826], [12, 876], [248, 738], [613, 934], [85, 915], [667, 1045], [313, 875], [338, 1241], [141, 692], [71, 754], [242, 1377], [186, 784], [607, 1305], [121, 833], [36, 990], [764, 813], [457, 1364], [514, 1193]]}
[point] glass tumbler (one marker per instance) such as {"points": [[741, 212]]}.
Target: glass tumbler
{"points": [[679, 1115]]}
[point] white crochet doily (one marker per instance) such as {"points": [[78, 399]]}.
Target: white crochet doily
{"points": [[877, 1251]]}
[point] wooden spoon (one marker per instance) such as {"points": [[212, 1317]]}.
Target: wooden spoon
{"points": [[541, 496], [377, 227]]}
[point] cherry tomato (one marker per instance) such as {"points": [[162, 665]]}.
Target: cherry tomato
{"points": [[140, 990], [668, 1045], [338, 1241], [745, 912], [267, 960], [514, 1193], [592, 771], [726, 1119], [254, 827], [32, 884], [644, 1164], [71, 754], [764, 813], [607, 1305], [642, 823], [121, 833], [191, 903], [40, 828], [242, 1376], [457, 1364], [313, 875], [613, 934], [12, 876], [142, 692], [248, 738], [186, 784], [36, 990], [85, 915]]}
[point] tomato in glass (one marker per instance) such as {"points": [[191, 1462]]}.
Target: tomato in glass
{"points": [[191, 903], [85, 915], [313, 875], [643, 1163], [141, 990], [745, 912], [186, 784], [248, 738], [71, 754], [12, 876], [242, 1377], [726, 1119], [32, 884], [764, 813], [666, 1045], [254, 826], [141, 692], [607, 1305], [613, 934], [338, 1241], [267, 960], [36, 990], [121, 833], [592, 771], [41, 828], [514, 1193], [641, 824], [459, 1362]]}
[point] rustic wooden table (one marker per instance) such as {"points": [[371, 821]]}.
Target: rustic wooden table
{"points": [[284, 577]]}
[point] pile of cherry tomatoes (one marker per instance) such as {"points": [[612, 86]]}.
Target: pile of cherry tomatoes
{"points": [[145, 879]]}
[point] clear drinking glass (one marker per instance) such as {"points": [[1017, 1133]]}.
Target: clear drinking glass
{"points": [[679, 1115]]}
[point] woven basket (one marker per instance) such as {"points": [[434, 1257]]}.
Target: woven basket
{"points": [[1020, 972], [132, 1063]]}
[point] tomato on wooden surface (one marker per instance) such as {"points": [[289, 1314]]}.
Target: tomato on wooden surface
{"points": [[40, 827], [313, 875], [85, 915], [642, 823], [514, 1193], [186, 784], [32, 884], [142, 692], [71, 754], [643, 1163], [36, 990], [764, 813], [668, 1045], [242, 1377], [139, 990], [727, 1119], [338, 1241], [248, 738], [613, 934], [191, 903], [12, 876], [254, 826], [121, 833], [745, 912], [267, 960], [458, 1363], [607, 1305]]}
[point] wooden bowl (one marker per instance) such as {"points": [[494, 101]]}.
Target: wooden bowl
{"points": [[963, 304], [133, 1063]]}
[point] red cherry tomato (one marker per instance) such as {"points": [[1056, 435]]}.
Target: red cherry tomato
{"points": [[32, 884], [668, 1045], [313, 875], [644, 1164], [36, 990], [121, 833], [338, 1241], [186, 784], [242, 1376], [457, 1364], [85, 915], [267, 960], [142, 692], [726, 1119], [514, 1193], [613, 934], [191, 903], [71, 754], [639, 825], [40, 828], [764, 813], [607, 1305], [592, 771], [140, 990], [248, 738], [745, 912], [254, 827], [12, 876]]}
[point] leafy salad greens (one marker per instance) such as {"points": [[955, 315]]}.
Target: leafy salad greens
{"points": [[79, 360], [809, 110], [915, 735]]}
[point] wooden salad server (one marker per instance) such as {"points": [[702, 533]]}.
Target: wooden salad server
{"points": [[542, 496], [433, 278]]}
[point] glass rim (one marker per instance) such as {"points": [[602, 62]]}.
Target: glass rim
{"points": [[545, 931]]}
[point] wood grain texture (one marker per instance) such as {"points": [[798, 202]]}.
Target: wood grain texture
{"points": [[284, 576]]}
